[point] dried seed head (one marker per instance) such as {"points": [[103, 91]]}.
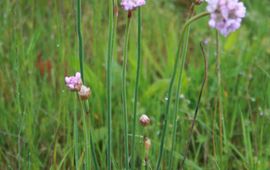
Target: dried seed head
{"points": [[84, 92]]}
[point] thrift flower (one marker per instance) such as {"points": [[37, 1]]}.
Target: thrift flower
{"points": [[132, 4], [74, 83], [84, 92], [144, 120], [226, 15]]}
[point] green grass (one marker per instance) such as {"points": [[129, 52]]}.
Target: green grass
{"points": [[43, 126]]}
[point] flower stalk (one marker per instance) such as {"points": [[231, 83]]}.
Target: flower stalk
{"points": [[109, 84], [124, 90], [191, 20], [136, 88]]}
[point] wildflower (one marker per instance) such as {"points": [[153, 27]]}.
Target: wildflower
{"points": [[74, 83], [84, 92], [132, 4], [144, 120], [226, 15]]}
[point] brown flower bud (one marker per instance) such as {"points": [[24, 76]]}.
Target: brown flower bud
{"points": [[84, 92]]}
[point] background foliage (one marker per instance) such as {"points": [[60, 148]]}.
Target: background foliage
{"points": [[38, 47]]}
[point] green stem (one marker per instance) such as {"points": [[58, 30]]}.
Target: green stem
{"points": [[80, 37], [184, 53], [17, 86], [86, 110], [86, 146], [93, 151], [109, 88], [136, 88], [82, 76], [171, 85], [75, 138], [197, 108], [86, 132], [124, 92], [219, 94]]}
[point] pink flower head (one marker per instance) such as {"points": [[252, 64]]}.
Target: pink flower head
{"points": [[144, 120], [132, 4], [84, 92], [74, 83], [226, 15]]}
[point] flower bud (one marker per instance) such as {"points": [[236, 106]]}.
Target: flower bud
{"points": [[84, 92], [144, 120]]}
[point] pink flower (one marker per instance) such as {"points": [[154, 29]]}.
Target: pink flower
{"points": [[144, 120], [226, 15], [84, 92], [132, 4], [74, 83]]}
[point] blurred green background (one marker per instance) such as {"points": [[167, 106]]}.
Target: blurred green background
{"points": [[39, 46]]}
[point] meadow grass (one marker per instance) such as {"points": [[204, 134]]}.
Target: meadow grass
{"points": [[44, 126]]}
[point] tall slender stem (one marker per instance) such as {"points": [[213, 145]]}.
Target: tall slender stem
{"points": [[171, 84], [219, 94], [86, 136], [136, 88], [75, 138], [81, 57], [197, 108], [80, 37], [86, 110], [184, 52], [87, 131], [124, 91], [93, 151], [109, 86], [17, 86]]}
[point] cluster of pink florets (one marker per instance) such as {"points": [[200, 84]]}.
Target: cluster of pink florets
{"points": [[226, 15], [132, 4], [74, 83]]}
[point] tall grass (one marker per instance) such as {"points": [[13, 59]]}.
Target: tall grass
{"points": [[84, 105], [44, 126], [183, 32], [182, 165], [176, 107]]}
